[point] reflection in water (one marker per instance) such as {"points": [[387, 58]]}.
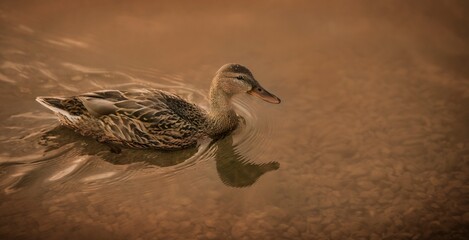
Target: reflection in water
{"points": [[233, 169]]}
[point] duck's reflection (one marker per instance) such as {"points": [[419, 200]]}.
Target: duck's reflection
{"points": [[234, 169]]}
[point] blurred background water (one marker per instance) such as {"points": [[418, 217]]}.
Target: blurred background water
{"points": [[371, 140]]}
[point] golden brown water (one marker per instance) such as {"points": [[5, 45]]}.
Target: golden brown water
{"points": [[371, 140]]}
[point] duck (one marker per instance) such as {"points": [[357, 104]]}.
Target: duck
{"points": [[157, 119]]}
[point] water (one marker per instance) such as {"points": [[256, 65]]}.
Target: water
{"points": [[371, 140]]}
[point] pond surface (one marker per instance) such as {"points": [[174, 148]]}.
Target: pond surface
{"points": [[371, 140]]}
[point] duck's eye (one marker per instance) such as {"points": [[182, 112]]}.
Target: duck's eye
{"points": [[239, 77]]}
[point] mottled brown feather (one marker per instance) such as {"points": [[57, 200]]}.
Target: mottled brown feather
{"points": [[137, 118]]}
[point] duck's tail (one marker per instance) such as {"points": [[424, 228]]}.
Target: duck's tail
{"points": [[59, 105], [53, 103]]}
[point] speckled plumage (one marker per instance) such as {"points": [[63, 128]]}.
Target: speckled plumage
{"points": [[136, 118], [150, 118]]}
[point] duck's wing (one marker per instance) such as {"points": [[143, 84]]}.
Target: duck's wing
{"points": [[186, 110], [147, 115], [99, 103], [143, 104]]}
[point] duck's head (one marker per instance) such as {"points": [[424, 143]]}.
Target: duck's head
{"points": [[235, 78]]}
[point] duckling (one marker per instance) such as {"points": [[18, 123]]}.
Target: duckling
{"points": [[151, 118]]}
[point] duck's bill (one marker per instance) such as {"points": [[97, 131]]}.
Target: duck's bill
{"points": [[264, 95]]}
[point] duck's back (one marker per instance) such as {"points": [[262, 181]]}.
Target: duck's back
{"points": [[136, 118]]}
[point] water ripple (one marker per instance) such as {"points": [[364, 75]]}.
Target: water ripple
{"points": [[255, 134]]}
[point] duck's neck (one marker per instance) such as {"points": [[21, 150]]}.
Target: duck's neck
{"points": [[221, 117]]}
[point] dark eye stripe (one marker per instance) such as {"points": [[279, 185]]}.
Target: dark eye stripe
{"points": [[239, 77]]}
